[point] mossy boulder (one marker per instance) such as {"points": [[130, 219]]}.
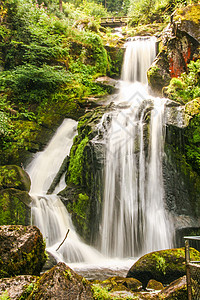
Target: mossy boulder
{"points": [[18, 287], [154, 285], [15, 208], [120, 284], [61, 282], [176, 290], [22, 250], [12, 176], [164, 265]]}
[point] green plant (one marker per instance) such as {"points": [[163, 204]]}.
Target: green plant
{"points": [[187, 86], [4, 296]]}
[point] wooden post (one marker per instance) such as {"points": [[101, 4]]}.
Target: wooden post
{"points": [[187, 260]]}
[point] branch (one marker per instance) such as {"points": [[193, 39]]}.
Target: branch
{"points": [[63, 240]]}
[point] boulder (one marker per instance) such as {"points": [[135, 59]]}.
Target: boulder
{"points": [[61, 282], [120, 284], [164, 265], [22, 250], [12, 176], [154, 285], [176, 290], [15, 207], [18, 287]]}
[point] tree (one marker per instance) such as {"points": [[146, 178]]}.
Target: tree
{"points": [[60, 6]]}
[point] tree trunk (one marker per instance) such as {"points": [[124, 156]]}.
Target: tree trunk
{"points": [[60, 5]]}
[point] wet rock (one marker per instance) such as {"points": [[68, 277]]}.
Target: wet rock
{"points": [[22, 250], [176, 290], [163, 266], [83, 194], [154, 285], [18, 287], [12, 176], [50, 262], [15, 207], [61, 282]]}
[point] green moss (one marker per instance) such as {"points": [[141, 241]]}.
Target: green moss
{"points": [[14, 207], [5, 296], [68, 274], [77, 162], [190, 13]]}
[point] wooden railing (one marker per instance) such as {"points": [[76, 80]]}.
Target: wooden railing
{"points": [[114, 21]]}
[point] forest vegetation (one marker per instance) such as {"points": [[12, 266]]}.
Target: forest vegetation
{"points": [[49, 60]]}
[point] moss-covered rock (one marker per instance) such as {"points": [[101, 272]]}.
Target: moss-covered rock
{"points": [[18, 287], [61, 282], [12, 176], [15, 208], [120, 284], [83, 194], [164, 266], [154, 285], [22, 250]]}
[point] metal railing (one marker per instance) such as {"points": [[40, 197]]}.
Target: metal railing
{"points": [[192, 271]]}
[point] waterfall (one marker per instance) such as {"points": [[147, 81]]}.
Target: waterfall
{"points": [[134, 219], [48, 212]]}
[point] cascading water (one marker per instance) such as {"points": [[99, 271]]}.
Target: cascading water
{"points": [[134, 219], [48, 212]]}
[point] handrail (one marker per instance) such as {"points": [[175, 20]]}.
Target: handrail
{"points": [[189, 263]]}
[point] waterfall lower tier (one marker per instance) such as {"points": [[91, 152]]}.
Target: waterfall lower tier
{"points": [[48, 212]]}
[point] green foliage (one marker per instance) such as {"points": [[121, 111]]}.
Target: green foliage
{"points": [[100, 293], [187, 86], [4, 296], [30, 83]]}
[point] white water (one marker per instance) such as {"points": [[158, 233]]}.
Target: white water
{"points": [[134, 219], [48, 212]]}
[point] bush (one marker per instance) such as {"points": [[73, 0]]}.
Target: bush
{"points": [[187, 86]]}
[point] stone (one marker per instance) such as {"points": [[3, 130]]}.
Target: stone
{"points": [[154, 285], [22, 250], [12, 176], [163, 266], [18, 287], [61, 282], [176, 290], [118, 283], [15, 208]]}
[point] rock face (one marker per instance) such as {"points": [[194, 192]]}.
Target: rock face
{"points": [[83, 194], [180, 44], [181, 168], [14, 198], [164, 266], [22, 250], [61, 282]]}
